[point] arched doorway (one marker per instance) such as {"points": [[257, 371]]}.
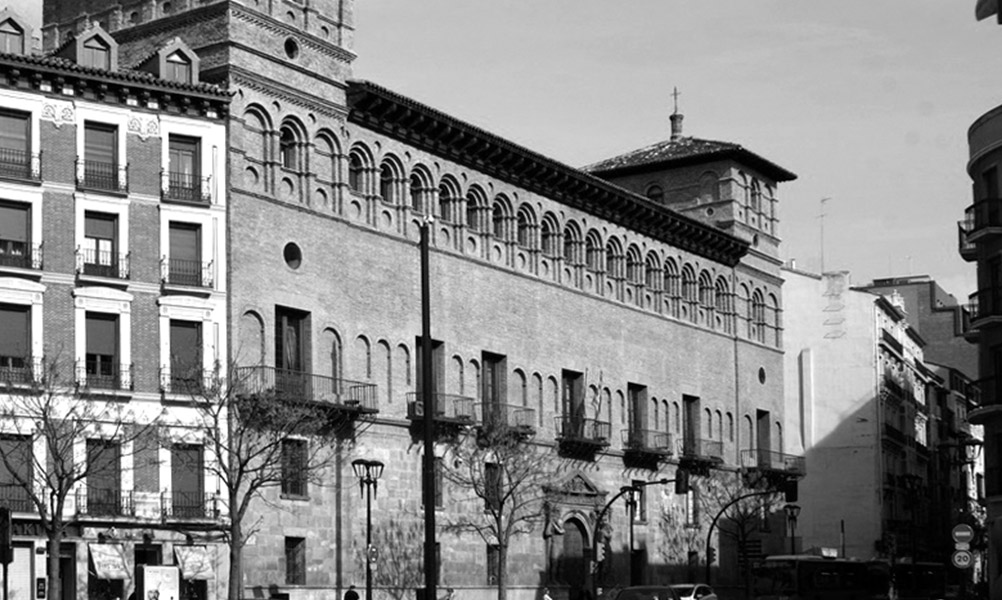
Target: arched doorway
{"points": [[574, 558]]}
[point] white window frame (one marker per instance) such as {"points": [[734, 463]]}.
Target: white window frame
{"points": [[212, 235], [191, 308], [23, 292], [104, 300], [211, 138], [105, 204]]}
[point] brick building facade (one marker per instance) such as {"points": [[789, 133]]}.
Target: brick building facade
{"points": [[112, 302], [627, 334]]}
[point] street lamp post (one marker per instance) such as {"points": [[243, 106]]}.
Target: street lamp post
{"points": [[631, 511], [368, 472], [792, 512]]}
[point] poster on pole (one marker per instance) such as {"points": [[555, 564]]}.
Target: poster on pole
{"points": [[161, 583]]}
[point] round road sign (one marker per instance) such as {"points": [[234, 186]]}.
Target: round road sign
{"points": [[963, 533], [962, 559]]}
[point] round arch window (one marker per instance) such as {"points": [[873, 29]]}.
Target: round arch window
{"points": [[293, 255]]}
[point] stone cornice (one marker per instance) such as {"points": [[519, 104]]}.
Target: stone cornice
{"points": [[239, 77], [401, 118]]}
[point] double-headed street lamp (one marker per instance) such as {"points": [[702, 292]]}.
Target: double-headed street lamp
{"points": [[368, 472], [792, 512]]}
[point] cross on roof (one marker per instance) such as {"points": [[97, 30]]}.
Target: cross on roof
{"points": [[674, 95]]}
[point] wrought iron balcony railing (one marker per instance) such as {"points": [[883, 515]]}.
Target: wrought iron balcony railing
{"points": [[501, 415], [21, 371], [186, 187], [105, 502], [701, 449], [446, 407], [187, 382], [20, 254], [101, 263], [104, 375], [190, 273], [307, 387], [101, 176], [771, 460], [968, 249], [647, 440], [580, 429], [189, 505], [20, 164], [17, 498], [983, 215]]}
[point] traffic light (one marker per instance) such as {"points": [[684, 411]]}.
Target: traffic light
{"points": [[6, 551], [711, 555], [790, 490], [681, 481]]}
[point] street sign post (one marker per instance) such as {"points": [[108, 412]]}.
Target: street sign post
{"points": [[963, 533], [962, 559]]}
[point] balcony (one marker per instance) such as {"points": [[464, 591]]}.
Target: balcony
{"points": [[189, 506], [95, 263], [647, 441], [20, 165], [985, 307], [296, 386], [891, 389], [21, 372], [105, 502], [16, 498], [499, 417], [968, 250], [983, 220], [16, 254], [103, 177], [192, 383], [581, 435], [186, 273], [185, 187], [446, 408], [990, 408], [96, 376], [698, 456], [775, 462]]}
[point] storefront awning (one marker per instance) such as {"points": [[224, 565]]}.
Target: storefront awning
{"points": [[109, 561], [194, 561]]}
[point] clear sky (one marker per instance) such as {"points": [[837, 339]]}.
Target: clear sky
{"points": [[868, 101]]}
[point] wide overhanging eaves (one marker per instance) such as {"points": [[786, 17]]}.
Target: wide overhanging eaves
{"points": [[408, 121]]}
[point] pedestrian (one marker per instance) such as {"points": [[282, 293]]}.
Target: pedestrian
{"points": [[351, 594], [546, 594]]}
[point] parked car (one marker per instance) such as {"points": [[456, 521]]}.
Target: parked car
{"points": [[694, 591], [644, 592]]}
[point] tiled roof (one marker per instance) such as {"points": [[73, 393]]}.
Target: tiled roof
{"points": [[687, 150], [123, 75]]}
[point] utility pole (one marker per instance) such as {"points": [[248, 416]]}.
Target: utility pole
{"points": [[428, 423], [821, 220]]}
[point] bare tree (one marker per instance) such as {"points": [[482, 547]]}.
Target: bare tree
{"points": [[401, 570], [63, 437], [505, 474], [743, 510], [268, 430]]}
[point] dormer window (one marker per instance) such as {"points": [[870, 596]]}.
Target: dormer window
{"points": [[11, 38], [96, 53], [178, 68]]}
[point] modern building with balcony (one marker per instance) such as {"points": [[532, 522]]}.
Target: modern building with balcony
{"points": [[626, 317], [89, 319], [883, 447], [981, 243]]}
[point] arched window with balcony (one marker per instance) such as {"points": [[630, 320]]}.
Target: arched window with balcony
{"points": [[593, 251], [634, 265], [758, 316], [526, 227], [690, 292], [476, 206], [572, 242], [652, 272], [447, 203], [672, 287], [614, 259], [288, 147], [549, 236], [722, 306], [419, 189], [389, 175], [500, 215], [358, 165]]}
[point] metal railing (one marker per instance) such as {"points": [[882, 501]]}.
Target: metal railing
{"points": [[191, 273], [647, 440], [102, 176], [20, 255], [965, 246], [500, 414], [187, 382], [189, 505], [985, 303], [102, 263], [580, 429], [699, 448], [452, 407], [16, 370], [20, 164], [15, 497], [104, 375], [983, 214], [771, 460], [307, 387], [105, 502], [186, 187]]}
